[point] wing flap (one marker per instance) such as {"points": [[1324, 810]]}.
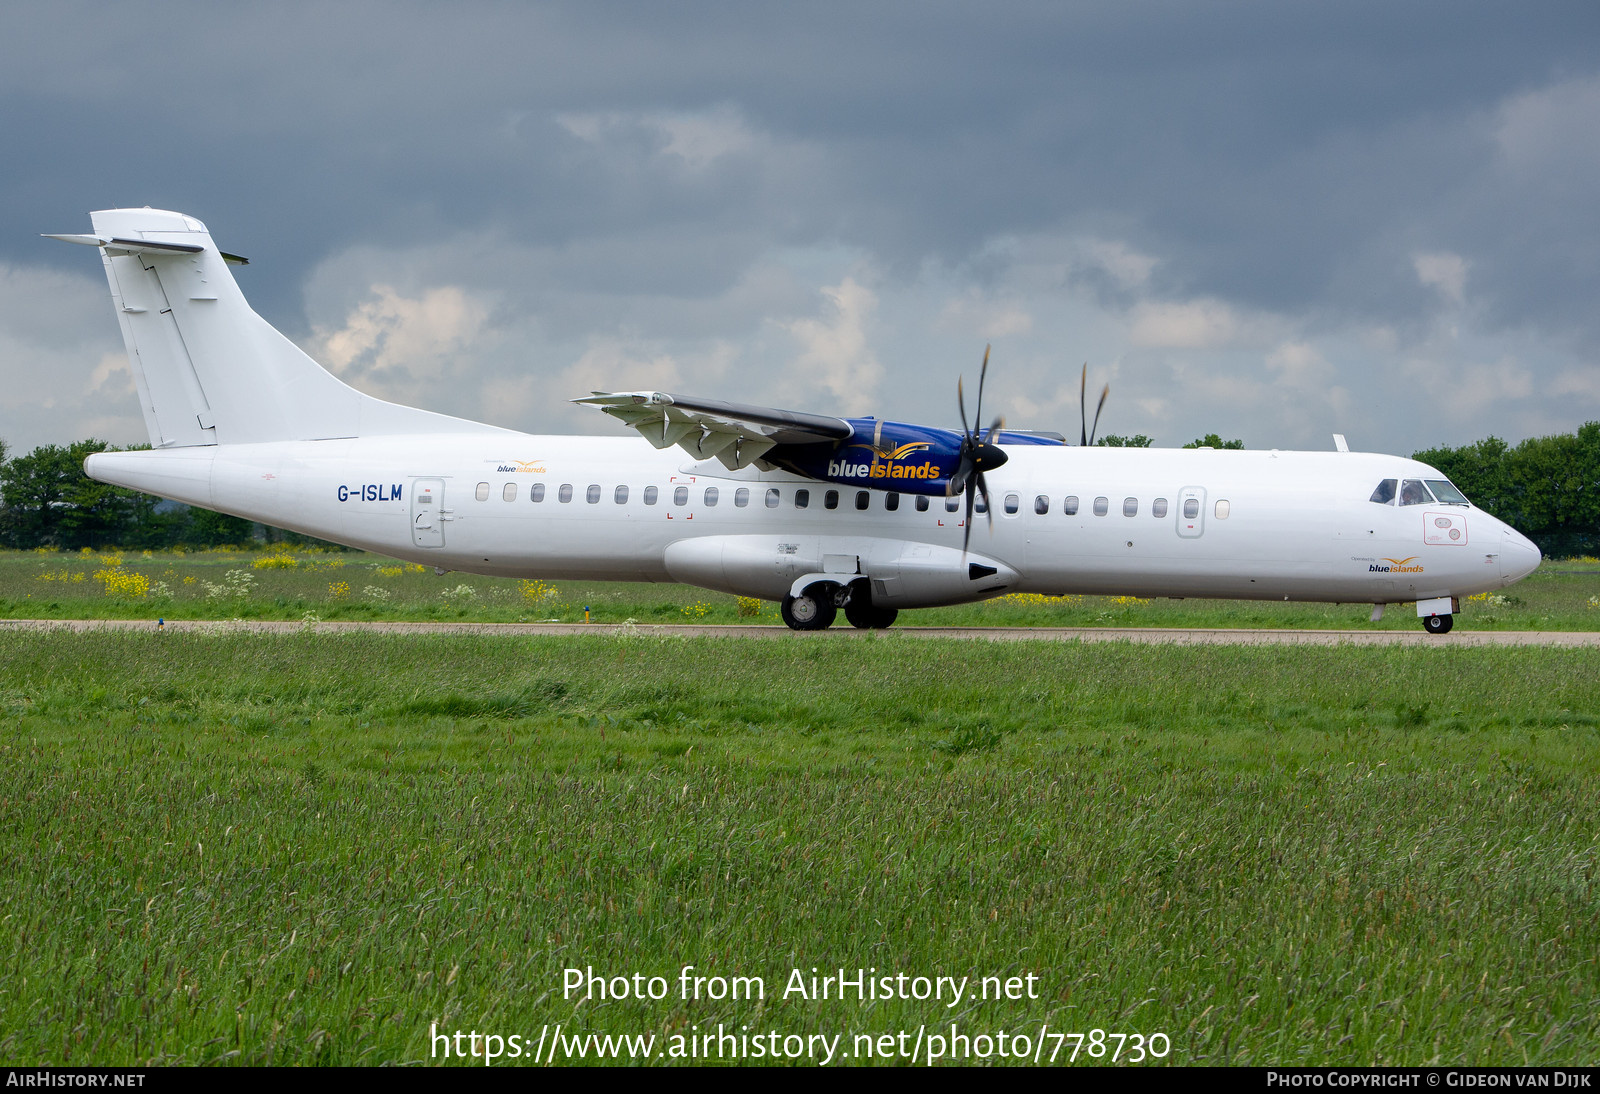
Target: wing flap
{"points": [[734, 433]]}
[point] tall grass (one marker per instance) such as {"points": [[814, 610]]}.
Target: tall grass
{"points": [[308, 848], [351, 586]]}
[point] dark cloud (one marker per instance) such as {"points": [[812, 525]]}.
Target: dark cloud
{"points": [[1285, 158]]}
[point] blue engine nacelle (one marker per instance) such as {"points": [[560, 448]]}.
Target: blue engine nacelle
{"points": [[912, 459]]}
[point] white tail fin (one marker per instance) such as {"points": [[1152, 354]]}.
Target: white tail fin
{"points": [[209, 369]]}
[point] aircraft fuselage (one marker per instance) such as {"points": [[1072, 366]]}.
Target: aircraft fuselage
{"points": [[1147, 522]]}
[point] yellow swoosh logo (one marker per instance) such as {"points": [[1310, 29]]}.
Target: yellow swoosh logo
{"points": [[895, 453]]}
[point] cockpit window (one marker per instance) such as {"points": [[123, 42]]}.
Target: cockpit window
{"points": [[1384, 494], [1447, 493], [1412, 492]]}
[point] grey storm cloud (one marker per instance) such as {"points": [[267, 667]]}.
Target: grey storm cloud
{"points": [[1239, 211]]}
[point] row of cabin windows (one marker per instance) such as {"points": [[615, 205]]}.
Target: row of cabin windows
{"points": [[863, 500]]}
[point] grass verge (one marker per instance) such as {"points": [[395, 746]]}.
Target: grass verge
{"points": [[311, 848]]}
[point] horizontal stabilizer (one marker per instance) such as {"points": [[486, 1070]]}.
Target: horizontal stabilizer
{"points": [[145, 247]]}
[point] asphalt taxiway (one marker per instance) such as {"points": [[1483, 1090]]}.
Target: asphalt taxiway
{"points": [[1177, 636]]}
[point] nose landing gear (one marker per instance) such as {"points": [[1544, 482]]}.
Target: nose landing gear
{"points": [[1438, 614]]}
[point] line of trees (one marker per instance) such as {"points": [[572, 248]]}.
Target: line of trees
{"points": [[1546, 487], [47, 501]]}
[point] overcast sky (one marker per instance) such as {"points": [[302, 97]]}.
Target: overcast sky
{"points": [[1272, 221]]}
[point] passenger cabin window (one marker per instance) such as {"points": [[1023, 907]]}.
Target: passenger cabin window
{"points": [[951, 504], [980, 506], [1412, 492], [1070, 506], [1191, 508], [592, 495], [891, 501], [1222, 509], [741, 497], [802, 498], [621, 495], [772, 498], [1158, 508], [509, 491], [1013, 503], [1101, 507], [863, 499], [650, 495], [680, 496], [711, 496], [922, 504], [830, 500], [1130, 507], [482, 493], [1447, 493], [1041, 505], [565, 493], [1384, 494], [537, 493]]}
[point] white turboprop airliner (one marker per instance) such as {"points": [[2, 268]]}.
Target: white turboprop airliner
{"points": [[818, 513]]}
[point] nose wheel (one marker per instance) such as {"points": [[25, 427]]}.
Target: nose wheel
{"points": [[1438, 624]]}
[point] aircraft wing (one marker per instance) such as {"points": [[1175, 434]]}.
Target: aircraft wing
{"points": [[737, 434]]}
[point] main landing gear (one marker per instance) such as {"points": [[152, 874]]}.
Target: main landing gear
{"points": [[1438, 624], [812, 610], [818, 606]]}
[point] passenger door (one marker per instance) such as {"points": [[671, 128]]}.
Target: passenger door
{"points": [[428, 514]]}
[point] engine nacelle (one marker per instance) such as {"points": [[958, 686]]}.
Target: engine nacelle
{"points": [[901, 573]]}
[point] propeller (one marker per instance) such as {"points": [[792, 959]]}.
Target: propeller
{"points": [[1086, 434], [977, 455]]}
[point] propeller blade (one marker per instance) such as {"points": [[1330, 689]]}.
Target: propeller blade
{"points": [[961, 402], [1083, 410], [983, 374], [994, 427], [1097, 410], [966, 531], [988, 510]]}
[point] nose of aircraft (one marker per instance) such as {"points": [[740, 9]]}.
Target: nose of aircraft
{"points": [[1518, 556]]}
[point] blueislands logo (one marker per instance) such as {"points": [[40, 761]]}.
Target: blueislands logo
{"points": [[886, 464], [1396, 566]]}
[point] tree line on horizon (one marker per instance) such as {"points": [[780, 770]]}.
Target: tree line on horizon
{"points": [[1548, 488], [47, 501]]}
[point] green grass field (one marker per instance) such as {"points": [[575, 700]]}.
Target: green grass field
{"points": [[310, 848], [1561, 595]]}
